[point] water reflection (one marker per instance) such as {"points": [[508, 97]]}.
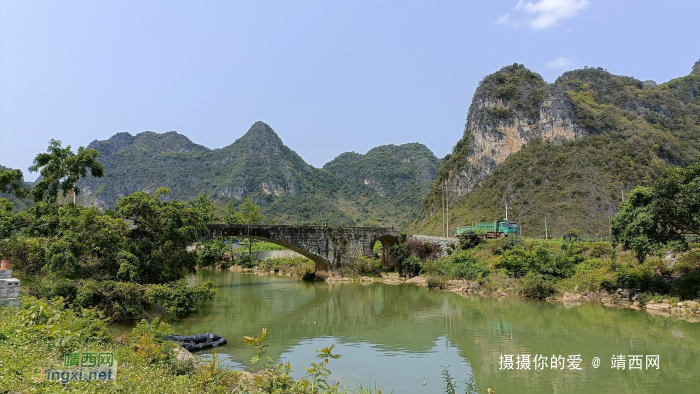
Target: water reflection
{"points": [[399, 336]]}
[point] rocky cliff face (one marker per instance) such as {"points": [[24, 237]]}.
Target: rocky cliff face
{"points": [[510, 108], [565, 150]]}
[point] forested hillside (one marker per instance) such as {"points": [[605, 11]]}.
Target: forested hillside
{"points": [[566, 150], [382, 188]]}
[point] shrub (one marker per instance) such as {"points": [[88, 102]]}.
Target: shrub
{"points": [[518, 262], [246, 261], [436, 281], [147, 341], [367, 267], [571, 234], [503, 245], [687, 263], [211, 252], [469, 239], [688, 286], [412, 266], [423, 250], [535, 286], [627, 279], [514, 263], [600, 250], [400, 251], [466, 266], [177, 298]]}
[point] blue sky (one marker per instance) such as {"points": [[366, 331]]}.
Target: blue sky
{"points": [[328, 76]]}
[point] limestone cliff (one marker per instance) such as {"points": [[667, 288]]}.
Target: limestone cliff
{"points": [[510, 108], [563, 151]]}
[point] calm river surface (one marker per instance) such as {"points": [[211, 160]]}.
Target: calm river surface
{"points": [[398, 336]]}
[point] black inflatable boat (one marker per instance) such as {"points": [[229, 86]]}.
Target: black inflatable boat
{"points": [[198, 342]]}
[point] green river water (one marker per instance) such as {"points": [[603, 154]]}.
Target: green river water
{"points": [[398, 337]]}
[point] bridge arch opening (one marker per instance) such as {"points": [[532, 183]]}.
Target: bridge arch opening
{"points": [[387, 258], [329, 248], [323, 269]]}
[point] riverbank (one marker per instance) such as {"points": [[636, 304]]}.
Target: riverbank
{"points": [[667, 284], [40, 334]]}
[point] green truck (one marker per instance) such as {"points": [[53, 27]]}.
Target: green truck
{"points": [[495, 229]]}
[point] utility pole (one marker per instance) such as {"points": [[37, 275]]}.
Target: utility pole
{"points": [[623, 195], [545, 228], [442, 201], [506, 211], [447, 210]]}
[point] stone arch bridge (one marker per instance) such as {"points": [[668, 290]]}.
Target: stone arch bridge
{"points": [[328, 247]]}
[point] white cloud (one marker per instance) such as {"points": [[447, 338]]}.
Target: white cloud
{"points": [[561, 62], [502, 20], [544, 13], [549, 12]]}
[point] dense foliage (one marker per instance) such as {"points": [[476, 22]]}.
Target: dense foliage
{"points": [[120, 260], [661, 214]]}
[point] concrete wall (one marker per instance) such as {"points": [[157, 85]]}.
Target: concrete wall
{"points": [[9, 288]]}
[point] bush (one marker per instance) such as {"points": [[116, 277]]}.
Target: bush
{"points": [[514, 263], [503, 245], [400, 251], [466, 266], [535, 286], [436, 281], [518, 262], [412, 266], [571, 234], [177, 298], [147, 341], [688, 286], [211, 252], [627, 279], [469, 239], [423, 250], [600, 250], [246, 261]]}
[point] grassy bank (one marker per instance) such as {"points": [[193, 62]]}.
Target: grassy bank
{"points": [[41, 332], [544, 269]]}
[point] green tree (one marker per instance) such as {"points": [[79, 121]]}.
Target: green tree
{"points": [[665, 212], [251, 213], [61, 169], [205, 206], [159, 239], [230, 215], [636, 224], [12, 182]]}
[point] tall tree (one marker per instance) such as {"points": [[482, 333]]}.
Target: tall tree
{"points": [[61, 169], [665, 212], [12, 182], [251, 213], [230, 215], [205, 206], [156, 250]]}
